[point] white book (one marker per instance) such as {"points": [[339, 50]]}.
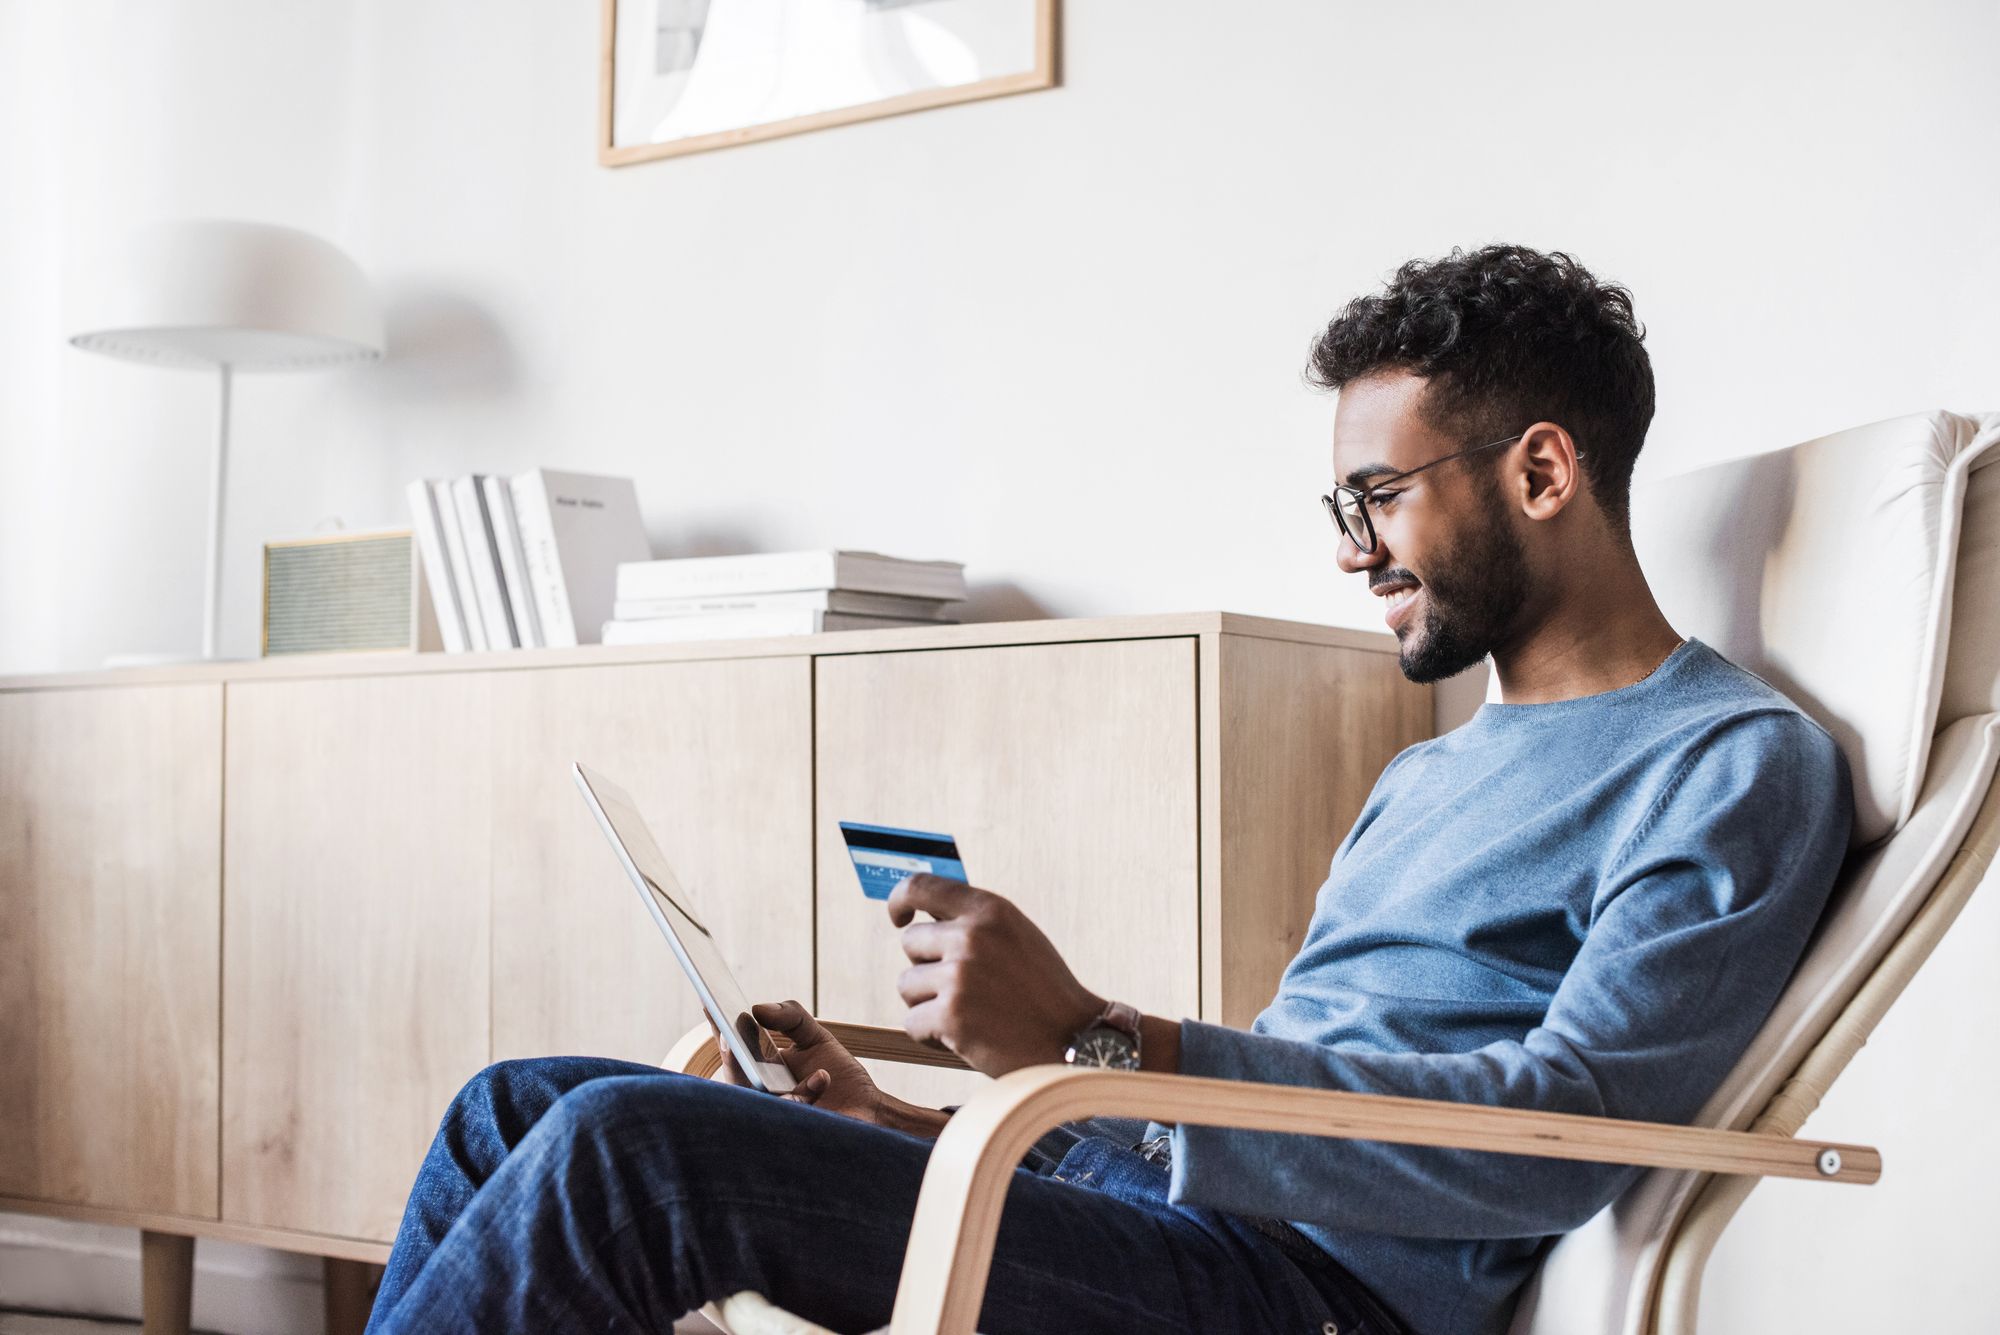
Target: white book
{"points": [[823, 600], [778, 572], [482, 554], [461, 568], [507, 535], [744, 626], [576, 530], [437, 566]]}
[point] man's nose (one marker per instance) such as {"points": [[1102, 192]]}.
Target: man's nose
{"points": [[1353, 560]]}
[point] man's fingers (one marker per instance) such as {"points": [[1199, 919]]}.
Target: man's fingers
{"points": [[930, 940], [810, 1088], [919, 983], [791, 1019], [731, 1073], [935, 895], [925, 1024]]}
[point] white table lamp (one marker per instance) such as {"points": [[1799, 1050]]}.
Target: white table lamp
{"points": [[229, 297]]}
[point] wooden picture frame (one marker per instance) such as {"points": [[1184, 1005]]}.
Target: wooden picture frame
{"points": [[1043, 74]]}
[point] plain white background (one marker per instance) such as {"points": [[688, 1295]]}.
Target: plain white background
{"points": [[1057, 336]]}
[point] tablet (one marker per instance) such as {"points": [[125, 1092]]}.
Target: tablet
{"points": [[693, 946]]}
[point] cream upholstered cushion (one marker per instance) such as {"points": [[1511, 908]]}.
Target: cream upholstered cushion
{"points": [[751, 1313], [1830, 569], [1855, 573]]}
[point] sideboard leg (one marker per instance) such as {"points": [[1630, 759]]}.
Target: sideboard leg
{"points": [[166, 1282], [350, 1295]]}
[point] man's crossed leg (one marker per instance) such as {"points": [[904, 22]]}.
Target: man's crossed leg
{"points": [[573, 1194]]}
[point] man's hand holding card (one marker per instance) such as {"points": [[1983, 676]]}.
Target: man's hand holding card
{"points": [[983, 980]]}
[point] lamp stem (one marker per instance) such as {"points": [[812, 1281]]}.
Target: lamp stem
{"points": [[215, 503]]}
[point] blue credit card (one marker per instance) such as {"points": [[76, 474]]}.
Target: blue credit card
{"points": [[883, 855]]}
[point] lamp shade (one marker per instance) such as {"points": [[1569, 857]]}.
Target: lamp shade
{"points": [[249, 296]]}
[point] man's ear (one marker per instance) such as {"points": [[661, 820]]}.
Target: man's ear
{"points": [[1550, 475]]}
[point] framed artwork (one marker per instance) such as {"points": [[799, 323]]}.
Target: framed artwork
{"points": [[683, 76]]}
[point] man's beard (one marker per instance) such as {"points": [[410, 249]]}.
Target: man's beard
{"points": [[1471, 599]]}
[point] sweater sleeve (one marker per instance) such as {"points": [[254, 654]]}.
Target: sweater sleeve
{"points": [[1700, 922]]}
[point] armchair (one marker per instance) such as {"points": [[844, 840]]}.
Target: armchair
{"points": [[1777, 562]]}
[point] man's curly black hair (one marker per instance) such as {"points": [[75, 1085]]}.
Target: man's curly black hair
{"points": [[1507, 336]]}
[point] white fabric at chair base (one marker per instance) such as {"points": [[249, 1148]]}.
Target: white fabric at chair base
{"points": [[750, 1313]]}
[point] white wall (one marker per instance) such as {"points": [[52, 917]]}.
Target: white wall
{"points": [[1057, 336]]}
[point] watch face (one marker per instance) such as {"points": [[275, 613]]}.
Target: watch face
{"points": [[1104, 1046]]}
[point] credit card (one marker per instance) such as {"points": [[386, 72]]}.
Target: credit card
{"points": [[883, 855]]}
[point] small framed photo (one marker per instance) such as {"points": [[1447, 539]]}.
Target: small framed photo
{"points": [[684, 76]]}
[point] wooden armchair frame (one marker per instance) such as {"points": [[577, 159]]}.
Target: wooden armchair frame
{"points": [[965, 1185]]}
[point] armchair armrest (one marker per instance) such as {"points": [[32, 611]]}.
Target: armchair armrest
{"points": [[965, 1184], [698, 1054]]}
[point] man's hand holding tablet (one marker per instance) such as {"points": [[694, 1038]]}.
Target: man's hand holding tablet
{"points": [[829, 1076]]}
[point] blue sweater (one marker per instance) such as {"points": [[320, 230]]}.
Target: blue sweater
{"points": [[1587, 906]]}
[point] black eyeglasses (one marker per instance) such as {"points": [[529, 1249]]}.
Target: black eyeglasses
{"points": [[1348, 506]]}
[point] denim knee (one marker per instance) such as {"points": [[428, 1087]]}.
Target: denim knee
{"points": [[507, 1098], [504, 1085], [651, 1099], [669, 1111]]}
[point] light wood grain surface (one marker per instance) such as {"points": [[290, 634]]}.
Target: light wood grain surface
{"points": [[1294, 736], [110, 891], [356, 940], [717, 756], [400, 883], [279, 1239], [978, 635], [1067, 775]]}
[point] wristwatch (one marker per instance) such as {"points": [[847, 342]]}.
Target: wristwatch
{"points": [[1110, 1042]]}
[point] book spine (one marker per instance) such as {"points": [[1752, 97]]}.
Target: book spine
{"points": [[544, 563], [733, 626], [827, 600], [461, 568], [485, 562], [726, 575], [747, 625], [507, 537], [437, 566]]}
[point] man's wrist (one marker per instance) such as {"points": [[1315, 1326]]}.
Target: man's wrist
{"points": [[1159, 1044], [1159, 1041], [913, 1119]]}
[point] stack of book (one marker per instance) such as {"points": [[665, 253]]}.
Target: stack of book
{"points": [[527, 562], [778, 593]]}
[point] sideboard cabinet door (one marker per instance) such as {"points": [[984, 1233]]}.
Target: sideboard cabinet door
{"points": [[110, 885], [717, 755], [355, 939], [1068, 775]]}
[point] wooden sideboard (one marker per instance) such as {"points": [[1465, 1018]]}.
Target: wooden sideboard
{"points": [[260, 920]]}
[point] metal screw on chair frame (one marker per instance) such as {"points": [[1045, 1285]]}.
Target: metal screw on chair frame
{"points": [[1328, 1328], [1829, 1163]]}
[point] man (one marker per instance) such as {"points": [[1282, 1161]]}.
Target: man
{"points": [[1585, 900]]}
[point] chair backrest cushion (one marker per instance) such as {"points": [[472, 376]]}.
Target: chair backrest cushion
{"points": [[1835, 570]]}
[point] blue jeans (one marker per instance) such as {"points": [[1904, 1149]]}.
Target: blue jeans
{"points": [[585, 1194]]}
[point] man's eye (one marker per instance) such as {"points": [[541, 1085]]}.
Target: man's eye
{"points": [[1380, 499]]}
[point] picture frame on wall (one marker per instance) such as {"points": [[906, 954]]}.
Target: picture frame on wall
{"points": [[686, 76]]}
